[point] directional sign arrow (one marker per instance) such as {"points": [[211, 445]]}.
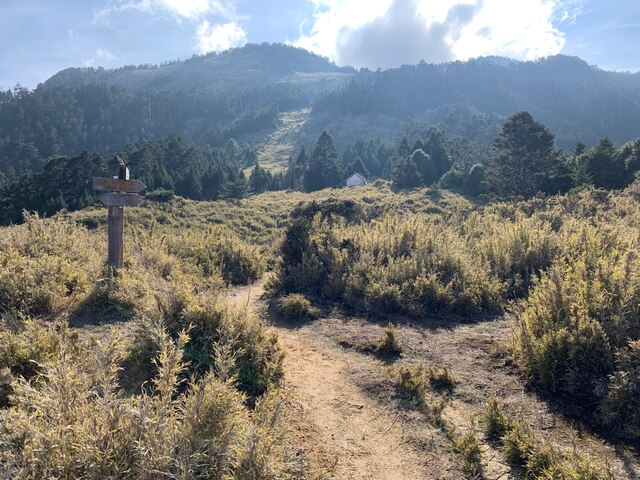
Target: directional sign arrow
{"points": [[118, 185], [115, 199]]}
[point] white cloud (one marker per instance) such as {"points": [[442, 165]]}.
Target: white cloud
{"points": [[104, 54], [384, 33], [181, 9], [219, 37], [101, 56], [522, 30], [217, 20]]}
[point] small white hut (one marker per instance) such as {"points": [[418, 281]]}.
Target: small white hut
{"points": [[356, 180]]}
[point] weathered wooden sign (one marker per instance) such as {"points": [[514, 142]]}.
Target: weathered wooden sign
{"points": [[117, 199], [118, 185], [120, 192]]}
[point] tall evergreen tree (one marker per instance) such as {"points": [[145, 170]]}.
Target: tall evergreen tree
{"points": [[259, 179], [402, 152], [522, 156], [629, 154], [426, 167], [405, 173], [603, 164], [435, 148], [324, 167]]}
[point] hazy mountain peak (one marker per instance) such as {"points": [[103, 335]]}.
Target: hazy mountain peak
{"points": [[247, 66]]}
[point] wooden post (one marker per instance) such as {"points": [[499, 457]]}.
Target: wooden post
{"points": [[115, 220], [115, 227], [121, 192]]}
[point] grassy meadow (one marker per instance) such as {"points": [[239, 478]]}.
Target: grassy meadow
{"points": [[149, 373]]}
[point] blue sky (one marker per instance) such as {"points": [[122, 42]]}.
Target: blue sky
{"points": [[41, 37]]}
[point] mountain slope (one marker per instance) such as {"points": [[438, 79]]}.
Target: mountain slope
{"points": [[235, 69], [576, 101]]}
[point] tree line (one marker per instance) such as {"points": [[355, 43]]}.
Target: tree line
{"points": [[170, 164], [35, 125]]}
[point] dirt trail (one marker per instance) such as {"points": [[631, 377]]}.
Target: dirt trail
{"points": [[346, 419], [340, 427]]}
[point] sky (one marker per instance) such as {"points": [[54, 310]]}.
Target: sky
{"points": [[41, 37]]}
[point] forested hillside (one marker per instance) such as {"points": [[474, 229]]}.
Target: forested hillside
{"points": [[235, 69], [575, 100], [240, 94]]}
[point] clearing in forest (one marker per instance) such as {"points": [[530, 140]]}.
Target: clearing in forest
{"points": [[275, 150]]}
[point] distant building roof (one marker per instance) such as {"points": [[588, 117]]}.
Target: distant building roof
{"points": [[359, 177]]}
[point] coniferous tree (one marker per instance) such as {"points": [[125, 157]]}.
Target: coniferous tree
{"points": [[402, 151], [629, 155], [296, 171], [522, 156], [405, 173], [604, 166], [237, 188], [324, 167], [259, 179], [426, 167], [474, 182], [435, 148]]}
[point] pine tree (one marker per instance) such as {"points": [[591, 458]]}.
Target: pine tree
{"points": [[324, 167], [604, 165], [426, 167], [405, 173], [260, 179], [522, 156], [435, 148]]}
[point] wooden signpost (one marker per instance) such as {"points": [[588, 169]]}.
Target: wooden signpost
{"points": [[120, 192]]}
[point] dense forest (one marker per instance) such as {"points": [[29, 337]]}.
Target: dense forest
{"points": [[55, 121], [102, 110], [576, 101], [522, 162]]}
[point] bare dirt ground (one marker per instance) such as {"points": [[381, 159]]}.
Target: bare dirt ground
{"points": [[348, 421]]}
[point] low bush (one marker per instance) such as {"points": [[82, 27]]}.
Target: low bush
{"points": [[44, 264], [218, 252], [387, 345], [212, 325], [539, 459], [160, 195], [76, 422], [24, 346], [394, 265], [294, 306], [577, 332], [414, 381]]}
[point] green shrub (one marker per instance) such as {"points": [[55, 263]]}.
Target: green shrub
{"points": [[539, 459], [415, 381], [257, 357], [160, 195], [77, 423], [410, 266], [620, 409], [574, 331], [24, 347], [294, 306], [220, 253], [387, 345], [44, 264], [468, 447]]}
